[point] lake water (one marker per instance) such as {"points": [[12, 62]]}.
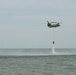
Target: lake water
{"points": [[37, 65]]}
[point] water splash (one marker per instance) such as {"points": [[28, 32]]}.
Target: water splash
{"points": [[37, 52]]}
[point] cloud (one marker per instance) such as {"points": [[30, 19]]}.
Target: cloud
{"points": [[36, 4]]}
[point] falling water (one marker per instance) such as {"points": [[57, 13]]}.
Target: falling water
{"points": [[53, 49]]}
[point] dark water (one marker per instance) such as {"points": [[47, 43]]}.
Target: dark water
{"points": [[38, 65], [37, 62]]}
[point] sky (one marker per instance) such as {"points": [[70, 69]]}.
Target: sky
{"points": [[23, 23]]}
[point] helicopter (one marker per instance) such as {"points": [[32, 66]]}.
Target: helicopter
{"points": [[53, 24]]}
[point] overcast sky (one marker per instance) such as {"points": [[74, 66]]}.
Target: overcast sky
{"points": [[23, 23]]}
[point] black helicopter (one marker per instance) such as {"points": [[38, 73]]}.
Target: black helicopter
{"points": [[53, 24]]}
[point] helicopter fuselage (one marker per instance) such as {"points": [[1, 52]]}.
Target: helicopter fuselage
{"points": [[52, 25]]}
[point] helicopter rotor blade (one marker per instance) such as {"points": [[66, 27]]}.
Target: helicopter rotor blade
{"points": [[53, 22], [60, 22]]}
